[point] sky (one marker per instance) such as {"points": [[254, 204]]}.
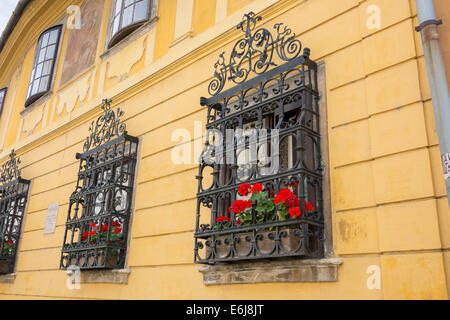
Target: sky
{"points": [[6, 9]]}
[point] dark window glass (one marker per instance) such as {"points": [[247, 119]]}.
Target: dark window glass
{"points": [[128, 15], [2, 99], [44, 64]]}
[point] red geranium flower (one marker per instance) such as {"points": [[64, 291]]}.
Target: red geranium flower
{"points": [[309, 207], [287, 197], [93, 224], [243, 189], [104, 228], [222, 219], [241, 205], [257, 187], [115, 224], [282, 196], [93, 232], [292, 202], [117, 230], [295, 212], [85, 235]]}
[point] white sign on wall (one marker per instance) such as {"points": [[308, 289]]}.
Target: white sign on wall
{"points": [[52, 215]]}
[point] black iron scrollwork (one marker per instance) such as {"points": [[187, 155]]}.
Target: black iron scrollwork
{"points": [[106, 127], [254, 53], [10, 171], [100, 207], [267, 90]]}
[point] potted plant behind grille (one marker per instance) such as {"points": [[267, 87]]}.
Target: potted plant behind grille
{"points": [[7, 249], [98, 232], [257, 209]]}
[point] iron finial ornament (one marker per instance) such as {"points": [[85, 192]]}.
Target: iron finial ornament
{"points": [[106, 127], [254, 53], [10, 171]]}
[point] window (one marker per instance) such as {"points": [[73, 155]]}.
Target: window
{"points": [[2, 99], [99, 212], [260, 175], [44, 64], [127, 16], [13, 200]]}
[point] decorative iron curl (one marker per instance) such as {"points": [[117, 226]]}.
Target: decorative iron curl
{"points": [[254, 53], [106, 127], [10, 171]]}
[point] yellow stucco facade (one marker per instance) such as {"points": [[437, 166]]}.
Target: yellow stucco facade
{"points": [[388, 197]]}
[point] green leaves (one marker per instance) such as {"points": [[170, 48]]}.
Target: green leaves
{"points": [[264, 204], [283, 211], [264, 208], [221, 225], [8, 249]]}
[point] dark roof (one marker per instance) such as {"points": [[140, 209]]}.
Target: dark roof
{"points": [[15, 17]]}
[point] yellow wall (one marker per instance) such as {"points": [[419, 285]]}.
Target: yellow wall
{"points": [[204, 15], [166, 26], [235, 5], [389, 201]]}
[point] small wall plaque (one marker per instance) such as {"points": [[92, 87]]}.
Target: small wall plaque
{"points": [[446, 164], [52, 215]]}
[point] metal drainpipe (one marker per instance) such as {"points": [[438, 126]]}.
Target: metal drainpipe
{"points": [[438, 80]]}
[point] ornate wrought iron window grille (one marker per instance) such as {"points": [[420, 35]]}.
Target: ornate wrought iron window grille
{"points": [[13, 200], [99, 211], [278, 106]]}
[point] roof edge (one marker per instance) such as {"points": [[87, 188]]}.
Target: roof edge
{"points": [[13, 20]]}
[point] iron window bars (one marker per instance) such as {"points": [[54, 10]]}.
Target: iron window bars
{"points": [[100, 207], [128, 15], [2, 99], [282, 98], [13, 200], [44, 64]]}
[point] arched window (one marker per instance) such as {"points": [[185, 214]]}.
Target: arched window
{"points": [[44, 64], [128, 15]]}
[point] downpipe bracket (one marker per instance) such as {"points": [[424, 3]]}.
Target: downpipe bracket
{"points": [[427, 23]]}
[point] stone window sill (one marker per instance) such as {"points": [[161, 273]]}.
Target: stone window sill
{"points": [[314, 270], [7, 278], [103, 276], [34, 105]]}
